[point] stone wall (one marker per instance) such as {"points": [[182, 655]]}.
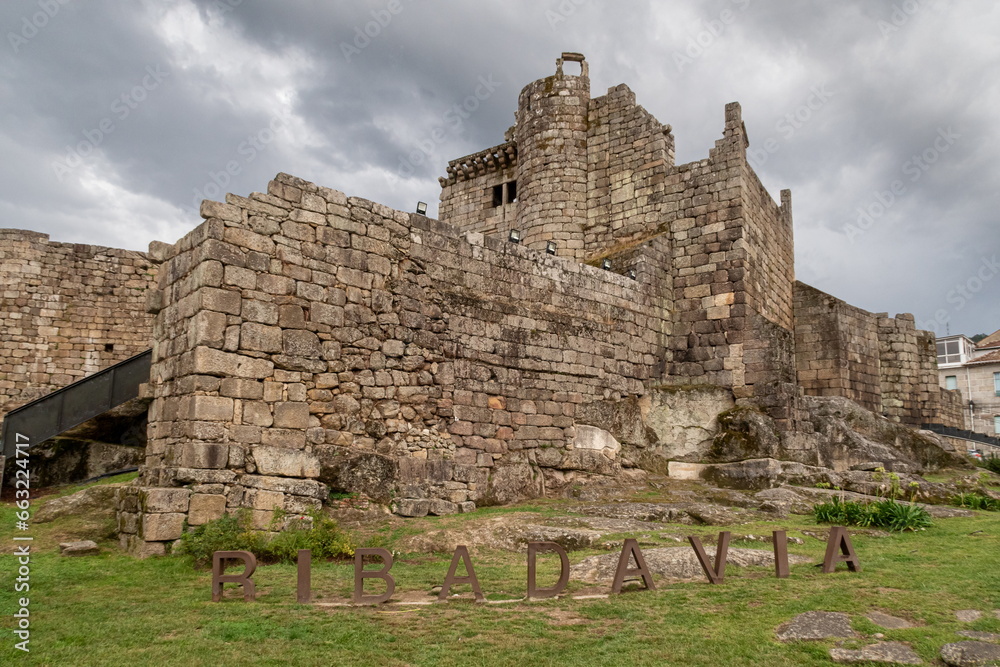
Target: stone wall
{"points": [[468, 197], [953, 409], [907, 371], [67, 310], [837, 348], [628, 154], [304, 335]]}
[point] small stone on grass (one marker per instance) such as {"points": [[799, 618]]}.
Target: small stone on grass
{"points": [[895, 653], [888, 622], [968, 615], [816, 625], [80, 548], [970, 654]]}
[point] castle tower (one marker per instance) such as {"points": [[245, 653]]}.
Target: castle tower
{"points": [[551, 136]]}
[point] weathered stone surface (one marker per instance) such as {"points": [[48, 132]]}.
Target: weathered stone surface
{"points": [[672, 562], [162, 527], [372, 474], [896, 653], [99, 499], [888, 622], [510, 482], [970, 654], [285, 462], [968, 615], [79, 548], [206, 507], [816, 625], [299, 487], [411, 506], [980, 636], [165, 500]]}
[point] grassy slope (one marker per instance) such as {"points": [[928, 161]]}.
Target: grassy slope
{"points": [[114, 610]]}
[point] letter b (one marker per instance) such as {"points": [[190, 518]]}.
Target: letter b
{"points": [[360, 575]]}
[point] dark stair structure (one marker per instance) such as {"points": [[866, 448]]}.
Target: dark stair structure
{"points": [[74, 404]]}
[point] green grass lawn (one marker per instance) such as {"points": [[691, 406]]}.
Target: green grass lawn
{"points": [[114, 610]]}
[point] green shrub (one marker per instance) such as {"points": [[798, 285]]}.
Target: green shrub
{"points": [[234, 533], [977, 501], [991, 463], [886, 513]]}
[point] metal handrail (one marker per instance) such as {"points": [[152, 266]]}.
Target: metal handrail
{"points": [[76, 403]]}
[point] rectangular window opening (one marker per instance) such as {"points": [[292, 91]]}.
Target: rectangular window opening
{"points": [[951, 382], [504, 193], [996, 384]]}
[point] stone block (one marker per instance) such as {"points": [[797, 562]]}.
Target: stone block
{"points": [[162, 527], [264, 500], [165, 500], [439, 507], [260, 337], [414, 507], [221, 300], [203, 455], [242, 388], [206, 507], [209, 361], [285, 462], [210, 408], [207, 328], [300, 343], [291, 415]]}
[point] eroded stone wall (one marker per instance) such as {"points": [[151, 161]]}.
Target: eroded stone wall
{"points": [[837, 348], [304, 335], [907, 370], [67, 310]]}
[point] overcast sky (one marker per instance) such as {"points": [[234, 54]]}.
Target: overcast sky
{"points": [[881, 116]]}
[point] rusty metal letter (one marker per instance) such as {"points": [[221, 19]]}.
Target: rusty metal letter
{"points": [[304, 579], [840, 540], [631, 548], [533, 590], [717, 574], [360, 574], [461, 554], [780, 540], [219, 567]]}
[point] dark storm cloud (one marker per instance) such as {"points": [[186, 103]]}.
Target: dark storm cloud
{"points": [[844, 103]]}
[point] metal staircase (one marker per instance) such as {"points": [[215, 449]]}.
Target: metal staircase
{"points": [[76, 403]]}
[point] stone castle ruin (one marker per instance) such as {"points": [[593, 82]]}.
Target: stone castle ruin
{"points": [[648, 320]]}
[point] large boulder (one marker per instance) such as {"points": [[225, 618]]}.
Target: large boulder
{"points": [[94, 501]]}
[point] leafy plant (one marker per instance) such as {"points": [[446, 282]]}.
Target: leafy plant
{"points": [[886, 513], [977, 501], [235, 533], [991, 463]]}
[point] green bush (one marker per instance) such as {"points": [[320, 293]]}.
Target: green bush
{"points": [[977, 501], [234, 533], [886, 513], [991, 463]]}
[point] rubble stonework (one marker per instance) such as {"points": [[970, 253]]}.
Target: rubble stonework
{"points": [[67, 310], [305, 341]]}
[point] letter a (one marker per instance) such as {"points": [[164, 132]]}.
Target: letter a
{"points": [[533, 590], [839, 539], [360, 575], [218, 578], [461, 554], [631, 548], [717, 574]]}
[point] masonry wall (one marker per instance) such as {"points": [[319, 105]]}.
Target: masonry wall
{"points": [[302, 328], [628, 155], [467, 191], [66, 311], [953, 409], [837, 348], [907, 371]]}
